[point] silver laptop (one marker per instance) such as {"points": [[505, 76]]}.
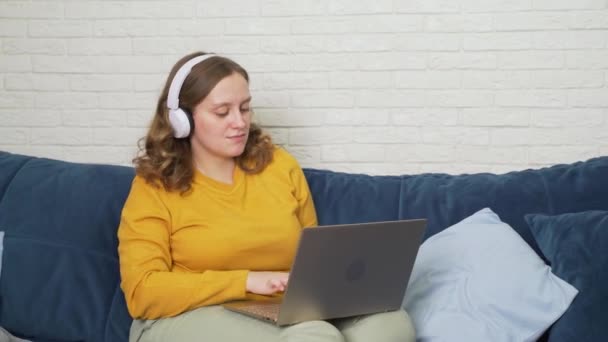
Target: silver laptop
{"points": [[344, 270]]}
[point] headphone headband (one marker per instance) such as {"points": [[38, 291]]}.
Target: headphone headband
{"points": [[180, 77]]}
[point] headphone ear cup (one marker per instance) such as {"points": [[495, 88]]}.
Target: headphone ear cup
{"points": [[181, 122]]}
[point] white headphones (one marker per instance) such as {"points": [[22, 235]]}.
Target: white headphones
{"points": [[181, 119]]}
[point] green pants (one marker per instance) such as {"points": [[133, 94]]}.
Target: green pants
{"points": [[215, 323]]}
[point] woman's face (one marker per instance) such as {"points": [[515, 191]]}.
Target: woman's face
{"points": [[222, 120]]}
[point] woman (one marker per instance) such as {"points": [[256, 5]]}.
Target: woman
{"points": [[214, 215]]}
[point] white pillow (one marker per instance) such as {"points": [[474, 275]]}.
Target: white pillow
{"points": [[478, 280]]}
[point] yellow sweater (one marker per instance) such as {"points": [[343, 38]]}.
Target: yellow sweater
{"points": [[178, 252]]}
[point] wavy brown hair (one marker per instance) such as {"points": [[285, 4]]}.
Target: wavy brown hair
{"points": [[167, 161]]}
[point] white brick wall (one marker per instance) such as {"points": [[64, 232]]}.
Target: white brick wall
{"points": [[381, 87]]}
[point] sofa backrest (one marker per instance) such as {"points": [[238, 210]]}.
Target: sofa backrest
{"points": [[59, 275]]}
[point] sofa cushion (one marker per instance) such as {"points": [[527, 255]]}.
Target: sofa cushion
{"points": [[60, 263], [446, 199], [478, 280], [353, 198], [576, 245]]}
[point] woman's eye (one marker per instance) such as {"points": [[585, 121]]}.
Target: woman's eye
{"points": [[221, 113], [245, 110]]}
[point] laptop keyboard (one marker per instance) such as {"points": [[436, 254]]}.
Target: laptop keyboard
{"points": [[269, 310]]}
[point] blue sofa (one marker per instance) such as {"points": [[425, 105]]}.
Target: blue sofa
{"points": [[59, 276]]}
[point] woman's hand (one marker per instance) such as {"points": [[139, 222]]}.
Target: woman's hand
{"points": [[267, 283]]}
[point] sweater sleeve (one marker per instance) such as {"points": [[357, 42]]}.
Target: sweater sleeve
{"points": [[152, 290], [307, 214]]}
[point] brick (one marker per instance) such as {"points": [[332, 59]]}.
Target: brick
{"points": [[290, 44], [65, 100], [99, 46], [113, 136], [360, 7], [462, 60], [320, 135], [257, 26], [531, 21], [426, 6], [424, 117], [587, 59], [427, 42], [160, 46], [115, 155], [12, 27], [353, 153], [305, 154], [271, 99], [361, 79], [20, 100], [391, 61], [98, 64], [33, 46], [568, 5], [474, 6], [465, 22], [356, 116], [530, 60], [151, 83], [491, 154], [12, 136], [531, 98], [391, 98], [393, 23], [569, 40], [15, 63], [53, 152], [284, 8], [139, 117], [387, 135], [229, 8], [330, 98], [129, 9], [94, 118], [295, 80], [320, 25], [101, 83], [61, 136], [421, 153], [361, 42], [290, 118], [455, 135], [566, 79], [265, 63], [129, 28], [460, 98], [588, 98], [320, 62], [566, 118], [556, 136], [126, 100], [589, 20], [549, 155], [59, 28], [497, 41], [280, 136], [510, 136], [37, 82], [21, 118], [495, 117], [428, 79], [28, 10]]}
